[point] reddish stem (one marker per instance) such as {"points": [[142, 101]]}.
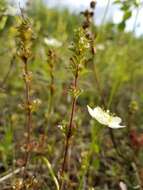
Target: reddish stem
{"points": [[28, 111], [69, 133]]}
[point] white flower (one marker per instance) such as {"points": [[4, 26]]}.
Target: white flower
{"points": [[105, 117], [52, 42]]}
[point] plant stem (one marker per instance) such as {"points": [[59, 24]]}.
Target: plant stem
{"points": [[69, 133], [28, 111]]}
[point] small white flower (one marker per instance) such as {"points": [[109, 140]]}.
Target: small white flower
{"points": [[105, 117], [52, 42]]}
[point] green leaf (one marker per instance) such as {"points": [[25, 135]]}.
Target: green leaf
{"points": [[121, 26], [49, 166], [127, 15], [3, 22]]}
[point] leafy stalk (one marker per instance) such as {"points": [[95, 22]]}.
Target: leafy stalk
{"points": [[79, 49], [25, 37]]}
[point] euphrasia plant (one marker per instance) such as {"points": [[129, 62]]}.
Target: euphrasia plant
{"points": [[79, 50], [24, 52]]}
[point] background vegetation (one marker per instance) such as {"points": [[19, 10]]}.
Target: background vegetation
{"points": [[110, 76]]}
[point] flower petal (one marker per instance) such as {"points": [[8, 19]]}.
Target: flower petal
{"points": [[115, 126], [115, 122], [91, 111], [101, 116], [116, 119]]}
